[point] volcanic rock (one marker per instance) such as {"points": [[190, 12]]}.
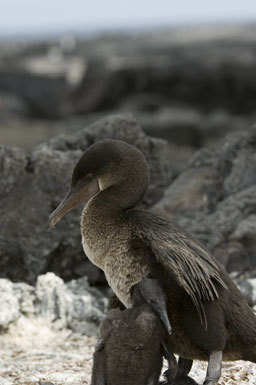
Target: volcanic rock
{"points": [[215, 199]]}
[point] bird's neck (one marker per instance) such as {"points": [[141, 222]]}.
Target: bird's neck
{"points": [[120, 197]]}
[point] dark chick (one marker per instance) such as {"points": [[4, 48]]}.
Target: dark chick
{"points": [[210, 318], [133, 341]]}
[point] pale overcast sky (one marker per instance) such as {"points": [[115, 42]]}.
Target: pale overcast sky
{"points": [[22, 16]]}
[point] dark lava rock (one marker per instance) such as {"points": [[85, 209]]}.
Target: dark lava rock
{"points": [[215, 199], [32, 185], [191, 127]]}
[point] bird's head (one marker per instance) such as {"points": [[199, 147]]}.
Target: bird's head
{"points": [[107, 164], [148, 290]]}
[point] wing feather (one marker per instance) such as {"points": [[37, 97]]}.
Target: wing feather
{"points": [[193, 266]]}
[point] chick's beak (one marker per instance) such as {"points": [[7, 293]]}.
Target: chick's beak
{"points": [[74, 197], [161, 311], [166, 322]]}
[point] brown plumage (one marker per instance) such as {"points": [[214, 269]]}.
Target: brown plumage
{"points": [[208, 314]]}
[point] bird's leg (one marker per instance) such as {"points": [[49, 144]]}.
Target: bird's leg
{"points": [[181, 378], [170, 373], [184, 366], [214, 368]]}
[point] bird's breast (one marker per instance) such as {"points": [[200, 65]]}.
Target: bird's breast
{"points": [[123, 272], [108, 246]]}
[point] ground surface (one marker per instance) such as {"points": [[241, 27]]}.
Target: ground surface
{"points": [[34, 352]]}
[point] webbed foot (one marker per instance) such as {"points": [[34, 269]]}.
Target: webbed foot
{"points": [[181, 378], [184, 367]]}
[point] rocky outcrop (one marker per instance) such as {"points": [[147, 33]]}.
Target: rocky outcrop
{"points": [[9, 304], [215, 199], [74, 305], [32, 185]]}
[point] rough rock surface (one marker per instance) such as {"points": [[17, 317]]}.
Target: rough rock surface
{"points": [[32, 185], [215, 199], [190, 126], [75, 305], [247, 286], [9, 304]]}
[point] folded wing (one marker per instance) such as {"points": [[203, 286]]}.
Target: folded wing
{"points": [[193, 266]]}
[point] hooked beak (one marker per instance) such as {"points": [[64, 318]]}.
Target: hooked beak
{"points": [[166, 322], [73, 198], [162, 313]]}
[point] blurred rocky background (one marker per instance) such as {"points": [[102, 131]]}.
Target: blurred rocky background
{"points": [[189, 86], [186, 97]]}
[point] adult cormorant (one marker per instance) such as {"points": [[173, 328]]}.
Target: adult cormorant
{"points": [[210, 318]]}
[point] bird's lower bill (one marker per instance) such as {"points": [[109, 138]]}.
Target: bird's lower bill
{"points": [[73, 198]]}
